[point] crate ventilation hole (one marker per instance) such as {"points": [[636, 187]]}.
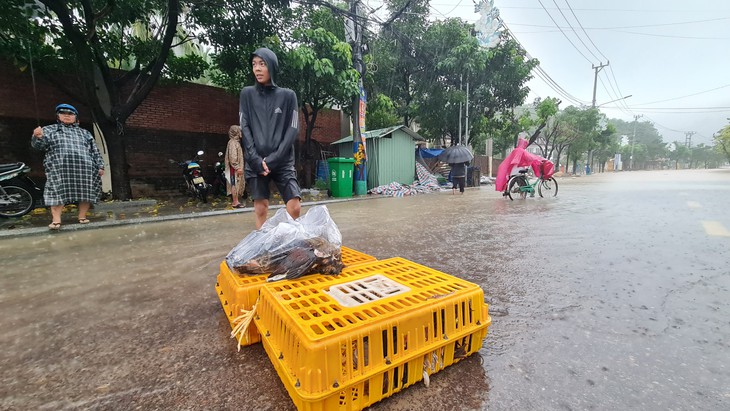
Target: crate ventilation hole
{"points": [[365, 290]]}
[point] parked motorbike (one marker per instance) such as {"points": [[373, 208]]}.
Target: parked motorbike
{"points": [[195, 184], [218, 185], [18, 193]]}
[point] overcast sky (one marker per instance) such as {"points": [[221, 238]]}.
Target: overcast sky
{"points": [[671, 56]]}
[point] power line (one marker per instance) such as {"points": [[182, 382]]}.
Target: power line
{"points": [[574, 32], [687, 108], [584, 31], [451, 11], [662, 126], [633, 27], [652, 11], [542, 74], [681, 97], [633, 32], [672, 36], [620, 93], [565, 35], [617, 89]]}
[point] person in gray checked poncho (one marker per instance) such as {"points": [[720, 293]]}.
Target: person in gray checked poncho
{"points": [[73, 164]]}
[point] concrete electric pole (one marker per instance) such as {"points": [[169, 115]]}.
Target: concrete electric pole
{"points": [[633, 140], [353, 30], [595, 80]]}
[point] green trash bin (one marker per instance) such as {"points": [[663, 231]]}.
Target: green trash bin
{"points": [[341, 170]]}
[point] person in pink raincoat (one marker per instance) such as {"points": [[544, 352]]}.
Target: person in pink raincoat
{"points": [[518, 159]]}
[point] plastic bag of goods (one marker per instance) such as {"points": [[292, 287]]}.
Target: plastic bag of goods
{"points": [[288, 248]]}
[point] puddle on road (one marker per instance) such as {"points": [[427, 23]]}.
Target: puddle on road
{"points": [[581, 309]]}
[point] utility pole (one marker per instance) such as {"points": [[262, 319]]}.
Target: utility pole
{"points": [[589, 160], [353, 31], [595, 80], [458, 140], [688, 138], [466, 125], [633, 140]]}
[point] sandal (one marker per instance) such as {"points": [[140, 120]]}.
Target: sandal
{"points": [[84, 221], [239, 206], [54, 226]]}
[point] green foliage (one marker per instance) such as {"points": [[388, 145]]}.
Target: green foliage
{"points": [[318, 66], [76, 45], [647, 143], [183, 68], [236, 28], [722, 142], [424, 67], [381, 113], [396, 54]]}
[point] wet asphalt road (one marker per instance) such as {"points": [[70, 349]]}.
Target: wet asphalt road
{"points": [[611, 296]]}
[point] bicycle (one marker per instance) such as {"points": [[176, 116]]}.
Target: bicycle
{"points": [[520, 184]]}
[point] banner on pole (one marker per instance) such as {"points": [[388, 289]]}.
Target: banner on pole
{"points": [[358, 147]]}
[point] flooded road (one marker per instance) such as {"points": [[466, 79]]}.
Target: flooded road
{"points": [[611, 296]]}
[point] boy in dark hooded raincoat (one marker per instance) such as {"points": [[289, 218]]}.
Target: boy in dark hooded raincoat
{"points": [[269, 117]]}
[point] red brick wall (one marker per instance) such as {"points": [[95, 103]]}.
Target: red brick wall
{"points": [[17, 97], [187, 107], [175, 121], [184, 107]]}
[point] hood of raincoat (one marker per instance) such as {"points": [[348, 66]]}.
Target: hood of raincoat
{"points": [[271, 62], [522, 143], [234, 133], [518, 157]]}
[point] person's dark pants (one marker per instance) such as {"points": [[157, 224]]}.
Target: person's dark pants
{"points": [[460, 182], [285, 180]]}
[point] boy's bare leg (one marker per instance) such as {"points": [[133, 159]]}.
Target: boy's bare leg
{"points": [[294, 207], [261, 209]]}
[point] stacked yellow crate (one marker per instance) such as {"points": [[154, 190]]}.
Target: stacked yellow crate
{"points": [[350, 341], [239, 292]]}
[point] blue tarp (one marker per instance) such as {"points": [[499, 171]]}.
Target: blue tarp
{"points": [[428, 152]]}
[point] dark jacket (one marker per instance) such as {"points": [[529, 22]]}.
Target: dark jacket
{"points": [[457, 169], [269, 117]]}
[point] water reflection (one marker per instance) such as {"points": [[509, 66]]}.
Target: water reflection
{"points": [[595, 295]]}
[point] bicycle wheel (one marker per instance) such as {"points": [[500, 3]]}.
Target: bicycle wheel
{"points": [[548, 188], [513, 187], [15, 202]]}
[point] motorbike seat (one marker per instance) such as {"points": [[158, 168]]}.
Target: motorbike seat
{"points": [[4, 168]]}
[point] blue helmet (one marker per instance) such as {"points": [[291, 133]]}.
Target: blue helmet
{"points": [[66, 107]]}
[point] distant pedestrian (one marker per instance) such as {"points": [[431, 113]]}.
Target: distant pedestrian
{"points": [[458, 176], [269, 117], [72, 162], [234, 166]]}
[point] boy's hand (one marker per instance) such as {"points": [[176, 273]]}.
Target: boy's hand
{"points": [[265, 167], [38, 132]]}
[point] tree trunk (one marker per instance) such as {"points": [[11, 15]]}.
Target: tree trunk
{"points": [[310, 116], [121, 188]]}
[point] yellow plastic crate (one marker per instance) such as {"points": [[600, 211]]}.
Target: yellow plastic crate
{"points": [[239, 292], [382, 326]]}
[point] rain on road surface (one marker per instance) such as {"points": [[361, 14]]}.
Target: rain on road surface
{"points": [[611, 296]]}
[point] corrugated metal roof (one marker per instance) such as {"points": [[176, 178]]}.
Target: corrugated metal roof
{"points": [[380, 133]]}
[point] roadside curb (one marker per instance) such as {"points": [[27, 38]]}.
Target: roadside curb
{"points": [[23, 232]]}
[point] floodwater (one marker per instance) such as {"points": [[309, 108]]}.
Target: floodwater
{"points": [[611, 296]]}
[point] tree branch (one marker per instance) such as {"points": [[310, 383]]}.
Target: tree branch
{"points": [[395, 15], [85, 54], [145, 85], [106, 10]]}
